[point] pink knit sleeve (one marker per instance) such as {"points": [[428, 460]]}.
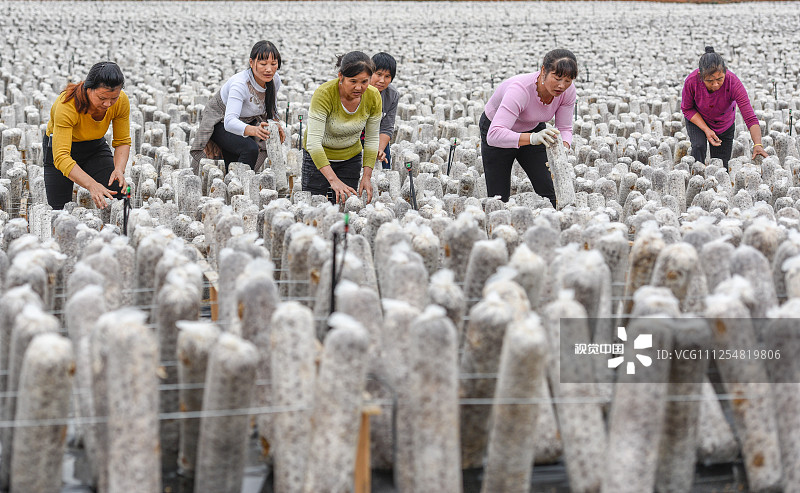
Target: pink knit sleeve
{"points": [[513, 103], [687, 99]]}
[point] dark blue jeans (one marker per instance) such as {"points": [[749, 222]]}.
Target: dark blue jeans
{"points": [[388, 163], [700, 143]]}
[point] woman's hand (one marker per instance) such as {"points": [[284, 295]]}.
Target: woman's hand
{"points": [[381, 157], [365, 185], [712, 138], [758, 150], [281, 133], [117, 176], [341, 191], [99, 194], [546, 137], [258, 131]]}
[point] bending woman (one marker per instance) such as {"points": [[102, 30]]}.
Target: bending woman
{"points": [[74, 146], [513, 124], [340, 109], [709, 99], [234, 123]]}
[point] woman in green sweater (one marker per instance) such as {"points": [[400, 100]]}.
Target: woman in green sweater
{"points": [[340, 109]]}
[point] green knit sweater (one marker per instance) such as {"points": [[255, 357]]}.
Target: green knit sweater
{"points": [[335, 134]]}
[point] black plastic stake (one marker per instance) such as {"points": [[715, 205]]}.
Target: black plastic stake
{"points": [[300, 140], [450, 155], [287, 114], [790, 122], [126, 207], [333, 273], [334, 276], [411, 185], [775, 89]]}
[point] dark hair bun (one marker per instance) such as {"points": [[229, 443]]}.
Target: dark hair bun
{"points": [[709, 49]]}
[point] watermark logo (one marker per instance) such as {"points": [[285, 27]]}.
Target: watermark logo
{"points": [[645, 350], [642, 341]]}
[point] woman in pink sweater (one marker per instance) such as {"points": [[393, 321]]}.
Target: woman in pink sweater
{"points": [[709, 100], [513, 124]]}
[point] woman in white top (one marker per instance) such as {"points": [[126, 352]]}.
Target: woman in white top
{"points": [[235, 120]]}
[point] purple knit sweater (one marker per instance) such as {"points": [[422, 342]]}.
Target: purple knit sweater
{"points": [[717, 108]]}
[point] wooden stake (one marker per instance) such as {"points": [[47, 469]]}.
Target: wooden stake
{"points": [[213, 282], [363, 473]]}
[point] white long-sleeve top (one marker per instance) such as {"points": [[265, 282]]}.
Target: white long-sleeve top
{"points": [[244, 98]]}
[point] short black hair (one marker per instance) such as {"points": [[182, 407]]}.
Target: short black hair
{"points": [[561, 62], [353, 63], [385, 61], [711, 62]]}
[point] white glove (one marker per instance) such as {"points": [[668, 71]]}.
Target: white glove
{"points": [[546, 137]]}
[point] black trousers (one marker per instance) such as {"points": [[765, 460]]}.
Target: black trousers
{"points": [[235, 148], [497, 163], [93, 156], [700, 143], [315, 182]]}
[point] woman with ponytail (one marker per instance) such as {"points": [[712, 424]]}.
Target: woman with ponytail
{"points": [[234, 123], [709, 100], [513, 124], [74, 146]]}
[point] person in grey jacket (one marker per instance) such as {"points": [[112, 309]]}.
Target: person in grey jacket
{"points": [[385, 72]]}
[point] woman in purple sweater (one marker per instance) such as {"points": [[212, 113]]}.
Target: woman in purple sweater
{"points": [[513, 124], [710, 96]]}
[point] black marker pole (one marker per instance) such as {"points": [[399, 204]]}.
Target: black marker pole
{"points": [[333, 273], [790, 122], [300, 140], [334, 276], [451, 154], [411, 185], [287, 114], [126, 206]]}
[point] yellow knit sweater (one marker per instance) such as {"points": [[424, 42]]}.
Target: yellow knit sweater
{"points": [[66, 126]]}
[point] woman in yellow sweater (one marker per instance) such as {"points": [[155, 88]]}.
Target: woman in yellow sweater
{"points": [[74, 146], [339, 110]]}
